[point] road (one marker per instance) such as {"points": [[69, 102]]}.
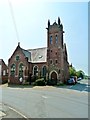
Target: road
{"points": [[8, 112], [48, 102]]}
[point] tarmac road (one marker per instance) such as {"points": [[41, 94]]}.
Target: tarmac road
{"points": [[48, 101], [9, 112]]}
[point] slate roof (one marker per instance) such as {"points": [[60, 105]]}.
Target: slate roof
{"points": [[27, 54], [38, 55]]}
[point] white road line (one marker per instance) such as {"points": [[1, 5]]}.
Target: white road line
{"points": [[18, 112], [2, 114], [44, 97]]}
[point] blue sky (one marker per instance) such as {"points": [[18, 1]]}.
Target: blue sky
{"points": [[31, 22]]}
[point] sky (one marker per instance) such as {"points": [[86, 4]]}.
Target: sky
{"points": [[25, 21]]}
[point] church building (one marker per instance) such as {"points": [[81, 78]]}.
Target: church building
{"points": [[50, 63]]}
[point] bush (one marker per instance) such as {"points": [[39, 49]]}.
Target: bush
{"points": [[34, 78], [40, 82], [60, 84], [51, 82]]}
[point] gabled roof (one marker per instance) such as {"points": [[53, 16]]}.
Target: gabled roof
{"points": [[2, 62], [38, 55], [34, 55], [27, 54]]}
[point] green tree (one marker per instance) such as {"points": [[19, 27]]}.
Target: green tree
{"points": [[80, 73], [72, 71]]}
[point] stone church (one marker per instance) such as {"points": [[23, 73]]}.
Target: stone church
{"points": [[50, 63]]}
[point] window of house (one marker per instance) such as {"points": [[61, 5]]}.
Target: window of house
{"points": [[56, 53], [13, 67], [50, 39], [59, 71], [35, 71], [44, 70], [4, 72], [56, 61], [40, 56], [50, 61], [21, 70], [56, 38], [17, 58]]}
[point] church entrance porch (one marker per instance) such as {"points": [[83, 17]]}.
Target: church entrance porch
{"points": [[53, 78]]}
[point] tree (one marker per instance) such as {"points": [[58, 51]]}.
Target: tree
{"points": [[72, 71], [80, 73]]}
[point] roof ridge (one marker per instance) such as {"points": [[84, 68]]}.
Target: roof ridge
{"points": [[24, 49], [37, 48]]}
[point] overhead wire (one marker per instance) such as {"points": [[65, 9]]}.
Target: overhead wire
{"points": [[13, 18]]}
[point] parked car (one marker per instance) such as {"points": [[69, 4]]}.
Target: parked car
{"points": [[79, 79], [75, 78], [71, 81]]}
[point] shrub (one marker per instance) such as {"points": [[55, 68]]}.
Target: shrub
{"points": [[51, 82], [33, 83], [40, 82], [34, 78], [60, 84]]}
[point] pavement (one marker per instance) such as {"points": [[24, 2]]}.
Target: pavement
{"points": [[9, 112]]}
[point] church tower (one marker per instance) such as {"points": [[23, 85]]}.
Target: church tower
{"points": [[55, 56]]}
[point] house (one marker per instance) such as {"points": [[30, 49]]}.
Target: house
{"points": [[3, 72], [50, 62]]}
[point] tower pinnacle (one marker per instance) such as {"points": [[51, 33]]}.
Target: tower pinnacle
{"points": [[48, 23], [59, 21]]}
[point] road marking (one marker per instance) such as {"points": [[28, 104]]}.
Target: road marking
{"points": [[18, 112], [2, 114], [44, 97]]}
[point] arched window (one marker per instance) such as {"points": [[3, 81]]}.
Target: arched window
{"points": [[56, 61], [21, 70], [13, 68], [56, 38], [50, 39], [44, 71], [35, 71], [51, 61]]}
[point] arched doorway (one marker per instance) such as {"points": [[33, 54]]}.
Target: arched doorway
{"points": [[54, 78]]}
